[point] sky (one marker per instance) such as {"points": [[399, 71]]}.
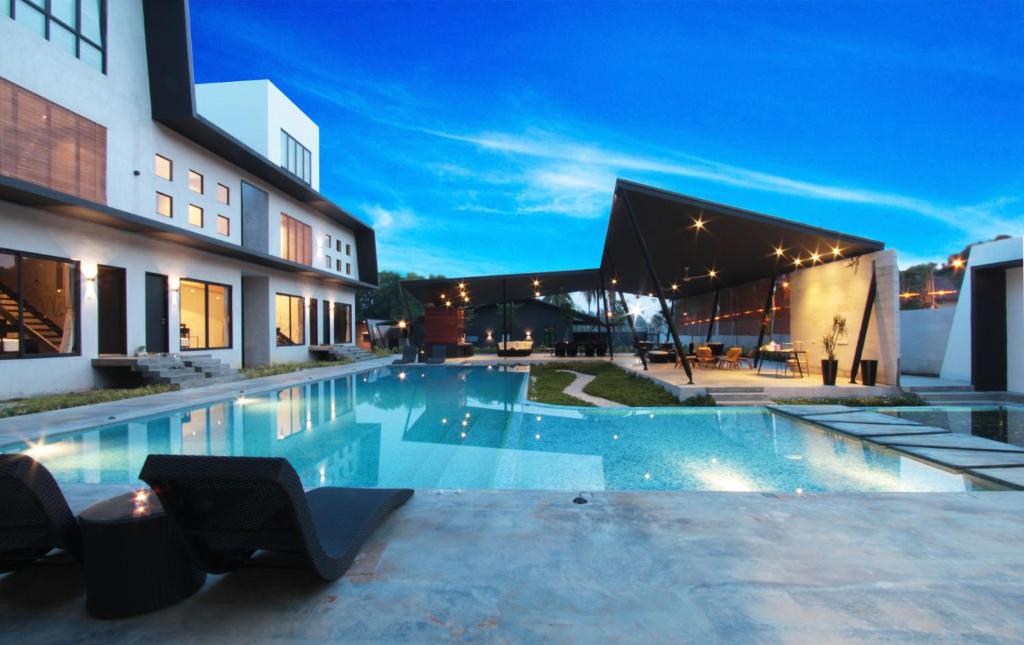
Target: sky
{"points": [[486, 138]]}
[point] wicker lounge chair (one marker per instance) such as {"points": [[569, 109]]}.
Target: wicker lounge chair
{"points": [[705, 358], [732, 358], [409, 355], [228, 507], [438, 354], [34, 516]]}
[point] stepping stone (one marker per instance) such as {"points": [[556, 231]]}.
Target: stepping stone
{"points": [[963, 459], [880, 429], [861, 416], [805, 410], [951, 440], [1008, 476]]}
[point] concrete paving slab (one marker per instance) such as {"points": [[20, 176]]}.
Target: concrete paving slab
{"points": [[807, 410], [952, 440], [860, 416], [1007, 476], [880, 430], [961, 459], [531, 567]]}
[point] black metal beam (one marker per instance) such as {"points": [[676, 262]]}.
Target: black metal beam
{"points": [[605, 316], [632, 329], [714, 312], [862, 334], [680, 354], [504, 316], [766, 316]]}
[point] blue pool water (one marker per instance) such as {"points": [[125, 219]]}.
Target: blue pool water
{"points": [[453, 427]]}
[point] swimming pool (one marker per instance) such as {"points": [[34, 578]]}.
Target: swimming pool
{"points": [[450, 427], [1000, 423]]}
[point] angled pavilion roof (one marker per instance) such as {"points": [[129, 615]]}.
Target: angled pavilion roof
{"points": [[490, 289]]}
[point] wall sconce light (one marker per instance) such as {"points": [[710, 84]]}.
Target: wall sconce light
{"points": [[529, 335], [490, 335], [402, 324]]}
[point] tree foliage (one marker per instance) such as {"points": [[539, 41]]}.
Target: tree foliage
{"points": [[386, 303]]}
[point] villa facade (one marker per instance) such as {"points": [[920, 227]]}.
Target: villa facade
{"points": [[142, 213]]}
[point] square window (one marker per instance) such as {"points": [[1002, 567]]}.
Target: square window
{"points": [[164, 168], [195, 182], [164, 205], [223, 194], [328, 262], [348, 268], [348, 249], [195, 215], [223, 225]]}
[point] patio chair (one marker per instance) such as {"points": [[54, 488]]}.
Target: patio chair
{"points": [[731, 359], [226, 508], [704, 357], [409, 355], [34, 516], [438, 354]]}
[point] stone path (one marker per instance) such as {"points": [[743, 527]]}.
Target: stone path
{"points": [[575, 389], [999, 462]]}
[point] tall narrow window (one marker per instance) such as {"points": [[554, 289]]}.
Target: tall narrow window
{"points": [[195, 215], [296, 240], [195, 182], [296, 158], [328, 262], [348, 268], [205, 315], [348, 249], [164, 167], [76, 26], [223, 194], [164, 205], [338, 265], [223, 225], [39, 305], [290, 317], [342, 322]]}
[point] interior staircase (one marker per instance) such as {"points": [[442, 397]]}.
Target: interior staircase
{"points": [[185, 371], [37, 326]]}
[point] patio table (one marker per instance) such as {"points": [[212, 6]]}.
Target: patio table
{"points": [[780, 356]]}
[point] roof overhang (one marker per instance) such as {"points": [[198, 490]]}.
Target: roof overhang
{"points": [[173, 104], [35, 196], [700, 246]]}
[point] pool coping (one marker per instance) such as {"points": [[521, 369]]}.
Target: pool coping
{"points": [[951, 459]]}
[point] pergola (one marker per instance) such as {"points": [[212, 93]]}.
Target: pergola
{"points": [[671, 246]]}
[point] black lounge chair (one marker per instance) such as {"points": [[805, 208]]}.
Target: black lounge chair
{"points": [[438, 354], [409, 355], [228, 507], [34, 516]]}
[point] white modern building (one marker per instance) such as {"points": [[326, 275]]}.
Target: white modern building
{"points": [[986, 339], [134, 218]]}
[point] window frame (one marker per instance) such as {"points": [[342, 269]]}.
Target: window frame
{"points": [[348, 249], [170, 202], [329, 261], [44, 8], [302, 308], [231, 315], [202, 216], [227, 226], [227, 193], [296, 158], [76, 296], [170, 167], [348, 268]]}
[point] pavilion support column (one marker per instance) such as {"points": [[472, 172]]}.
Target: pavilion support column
{"points": [[714, 312], [604, 316], [632, 330], [504, 316], [680, 355], [862, 333], [766, 315], [408, 316]]}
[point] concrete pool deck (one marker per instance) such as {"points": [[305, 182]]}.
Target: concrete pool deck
{"points": [[527, 566]]}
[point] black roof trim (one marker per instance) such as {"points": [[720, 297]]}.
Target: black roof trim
{"points": [[35, 196], [172, 96]]}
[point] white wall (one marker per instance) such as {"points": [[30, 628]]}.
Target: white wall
{"points": [[1015, 330], [841, 287], [924, 334]]}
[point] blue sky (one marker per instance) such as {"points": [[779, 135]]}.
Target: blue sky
{"points": [[486, 138]]}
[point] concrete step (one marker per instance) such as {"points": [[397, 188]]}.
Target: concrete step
{"points": [[918, 389], [725, 389], [956, 396]]}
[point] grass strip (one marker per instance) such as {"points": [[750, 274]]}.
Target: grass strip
{"points": [[50, 402], [906, 399], [287, 368]]}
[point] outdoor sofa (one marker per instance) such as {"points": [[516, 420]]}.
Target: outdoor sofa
{"points": [[515, 348]]}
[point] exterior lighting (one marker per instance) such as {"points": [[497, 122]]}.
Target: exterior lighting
{"points": [[537, 436], [402, 324], [675, 287], [797, 261], [536, 294], [779, 251], [536, 283], [614, 281], [698, 223], [785, 284], [836, 251], [815, 258], [462, 285], [401, 376], [958, 263], [712, 273], [608, 314]]}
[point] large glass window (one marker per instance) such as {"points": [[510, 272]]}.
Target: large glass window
{"points": [[296, 158], [38, 305], [205, 315], [296, 240], [291, 320], [76, 26], [342, 322]]}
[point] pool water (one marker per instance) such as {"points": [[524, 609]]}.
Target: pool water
{"points": [[448, 427], [999, 423]]}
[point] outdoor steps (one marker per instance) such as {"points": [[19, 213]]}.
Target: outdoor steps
{"points": [[735, 396], [353, 352], [187, 371]]}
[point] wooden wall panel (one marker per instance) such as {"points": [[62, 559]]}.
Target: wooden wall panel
{"points": [[296, 240], [443, 326], [46, 144]]}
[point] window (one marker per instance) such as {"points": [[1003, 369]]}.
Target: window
{"points": [[348, 249], [296, 240], [296, 158], [195, 182], [45, 144], [205, 315], [195, 215], [39, 309], [337, 246], [327, 242], [328, 262], [348, 268], [164, 167], [164, 205], [76, 26], [342, 322], [223, 225], [338, 266], [290, 317], [223, 194]]}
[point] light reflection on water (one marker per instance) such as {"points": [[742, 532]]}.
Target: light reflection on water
{"points": [[466, 428]]}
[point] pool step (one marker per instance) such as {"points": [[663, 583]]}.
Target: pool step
{"points": [[739, 396]]}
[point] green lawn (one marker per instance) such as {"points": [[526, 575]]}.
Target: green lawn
{"points": [[905, 399], [611, 382], [74, 399], [286, 368]]}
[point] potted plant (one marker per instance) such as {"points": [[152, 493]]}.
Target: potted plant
{"points": [[830, 366]]}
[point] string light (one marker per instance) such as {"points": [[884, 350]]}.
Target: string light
{"points": [[698, 223], [536, 283], [779, 251], [797, 261], [675, 287], [614, 281], [712, 273], [815, 258], [836, 251]]}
